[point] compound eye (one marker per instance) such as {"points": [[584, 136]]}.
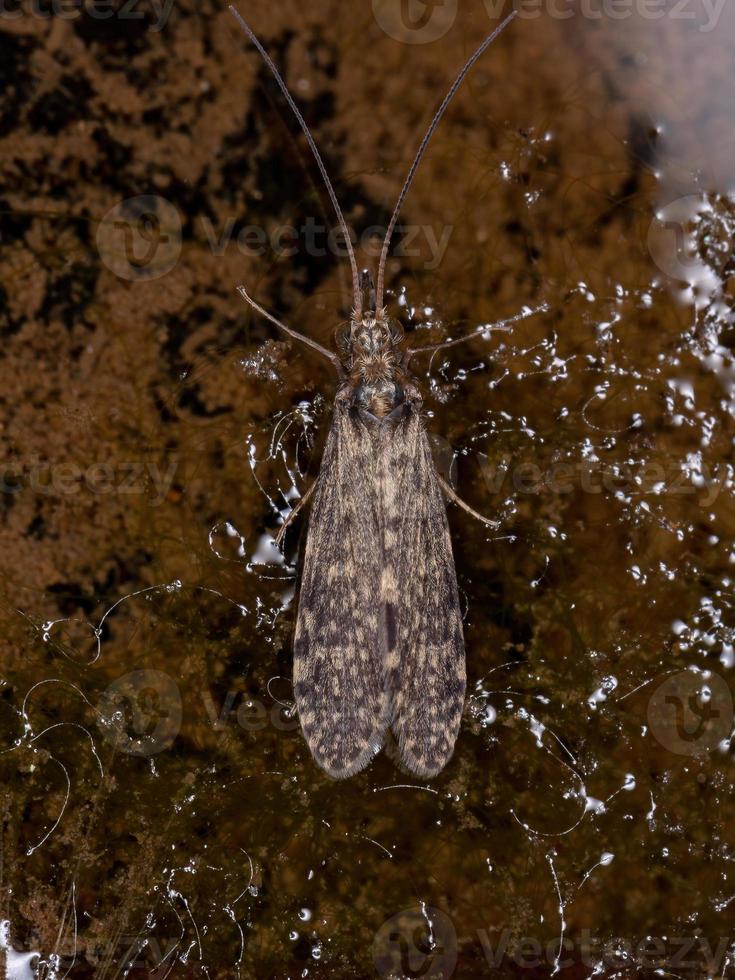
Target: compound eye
{"points": [[342, 336], [395, 331]]}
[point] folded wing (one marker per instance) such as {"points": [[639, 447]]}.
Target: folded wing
{"points": [[339, 677], [379, 632], [426, 674]]}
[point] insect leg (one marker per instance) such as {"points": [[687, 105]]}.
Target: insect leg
{"points": [[453, 496], [292, 515], [501, 326], [292, 333]]}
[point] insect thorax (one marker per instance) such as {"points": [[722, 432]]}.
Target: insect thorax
{"points": [[371, 351]]}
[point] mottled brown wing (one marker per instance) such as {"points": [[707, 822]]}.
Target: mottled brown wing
{"points": [[426, 674], [339, 677]]}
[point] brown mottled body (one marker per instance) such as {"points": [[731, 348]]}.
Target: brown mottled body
{"points": [[378, 642]]}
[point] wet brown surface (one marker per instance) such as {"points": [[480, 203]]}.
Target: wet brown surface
{"points": [[172, 820]]}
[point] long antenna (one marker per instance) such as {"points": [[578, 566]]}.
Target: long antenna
{"points": [[357, 298], [422, 149]]}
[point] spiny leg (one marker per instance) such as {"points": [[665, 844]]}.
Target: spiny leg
{"points": [[501, 326], [292, 515], [292, 333], [453, 496]]}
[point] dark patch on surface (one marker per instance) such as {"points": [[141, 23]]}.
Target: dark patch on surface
{"points": [[111, 166], [117, 39], [62, 106], [16, 82], [68, 296], [8, 324]]}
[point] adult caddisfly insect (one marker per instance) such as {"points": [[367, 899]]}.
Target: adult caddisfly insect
{"points": [[378, 651]]}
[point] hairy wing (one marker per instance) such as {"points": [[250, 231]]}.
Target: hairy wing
{"points": [[426, 660], [338, 664]]}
